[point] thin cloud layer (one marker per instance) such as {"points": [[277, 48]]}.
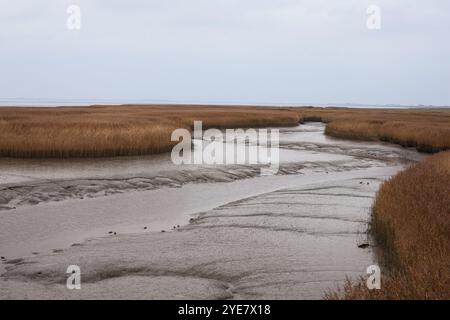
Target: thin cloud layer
{"points": [[227, 51]]}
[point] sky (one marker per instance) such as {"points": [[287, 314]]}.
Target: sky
{"points": [[227, 51]]}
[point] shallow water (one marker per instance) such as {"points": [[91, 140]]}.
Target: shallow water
{"points": [[291, 235]]}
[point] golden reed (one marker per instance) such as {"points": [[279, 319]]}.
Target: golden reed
{"points": [[117, 130]]}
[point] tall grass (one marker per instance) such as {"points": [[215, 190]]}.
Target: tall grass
{"points": [[427, 130], [117, 130], [143, 129], [411, 223]]}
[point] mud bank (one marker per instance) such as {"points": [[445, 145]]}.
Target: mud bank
{"points": [[293, 235], [30, 182]]}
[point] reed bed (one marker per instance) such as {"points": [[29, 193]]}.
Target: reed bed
{"points": [[117, 130], [411, 224], [427, 130], [145, 129]]}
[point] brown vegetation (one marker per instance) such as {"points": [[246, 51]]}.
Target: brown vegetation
{"points": [[411, 223], [144, 129], [117, 130], [427, 130]]}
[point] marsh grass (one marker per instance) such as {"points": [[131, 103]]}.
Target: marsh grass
{"points": [[411, 224], [427, 130], [117, 130], [145, 129]]}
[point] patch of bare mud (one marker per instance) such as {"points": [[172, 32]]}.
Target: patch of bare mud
{"points": [[291, 243], [290, 236], [42, 191]]}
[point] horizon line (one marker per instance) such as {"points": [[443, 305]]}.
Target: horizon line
{"points": [[53, 102]]}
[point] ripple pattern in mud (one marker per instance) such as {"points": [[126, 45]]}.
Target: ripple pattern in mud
{"points": [[274, 245]]}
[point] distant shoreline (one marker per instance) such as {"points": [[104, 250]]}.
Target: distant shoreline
{"points": [[51, 103]]}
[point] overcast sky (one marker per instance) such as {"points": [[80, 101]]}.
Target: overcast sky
{"points": [[227, 51]]}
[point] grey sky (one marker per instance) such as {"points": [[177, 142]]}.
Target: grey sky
{"points": [[227, 51]]}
